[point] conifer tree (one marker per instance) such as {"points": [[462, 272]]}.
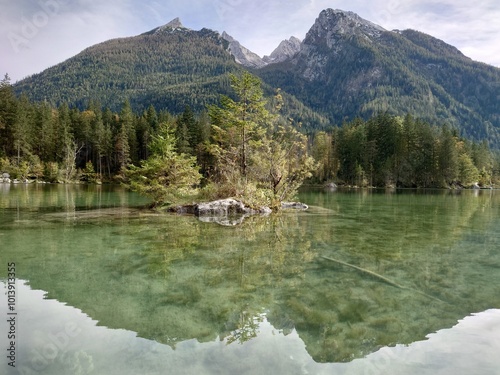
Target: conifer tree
{"points": [[8, 115], [165, 176], [257, 158]]}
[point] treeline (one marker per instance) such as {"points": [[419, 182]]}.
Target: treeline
{"points": [[388, 150], [38, 141]]}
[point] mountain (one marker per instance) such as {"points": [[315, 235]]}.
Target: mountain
{"points": [[243, 55], [286, 49], [344, 68], [170, 66], [348, 67]]}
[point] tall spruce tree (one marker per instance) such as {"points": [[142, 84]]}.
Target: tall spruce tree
{"points": [[257, 158]]}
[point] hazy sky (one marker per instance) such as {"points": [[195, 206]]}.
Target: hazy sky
{"points": [[36, 34]]}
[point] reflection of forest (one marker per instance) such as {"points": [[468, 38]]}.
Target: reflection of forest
{"points": [[173, 278]]}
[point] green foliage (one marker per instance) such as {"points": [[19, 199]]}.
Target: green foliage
{"points": [[167, 70], [51, 172], [388, 150], [165, 176], [257, 159], [88, 174], [281, 163]]}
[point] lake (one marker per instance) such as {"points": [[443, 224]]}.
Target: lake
{"points": [[364, 282]]}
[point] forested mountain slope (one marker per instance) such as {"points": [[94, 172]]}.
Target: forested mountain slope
{"points": [[350, 67], [166, 67]]}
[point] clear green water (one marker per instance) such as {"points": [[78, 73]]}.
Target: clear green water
{"points": [[105, 287]]}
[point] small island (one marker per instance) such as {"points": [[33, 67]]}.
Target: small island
{"points": [[259, 161]]}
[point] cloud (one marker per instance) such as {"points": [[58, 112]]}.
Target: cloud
{"points": [[37, 34], [44, 33], [473, 29]]}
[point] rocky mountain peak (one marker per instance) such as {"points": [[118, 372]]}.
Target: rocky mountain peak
{"points": [[173, 25], [286, 49], [332, 25]]}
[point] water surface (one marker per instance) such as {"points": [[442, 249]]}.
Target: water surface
{"points": [[117, 289]]}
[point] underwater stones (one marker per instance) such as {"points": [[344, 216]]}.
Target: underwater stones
{"points": [[294, 205], [227, 207]]}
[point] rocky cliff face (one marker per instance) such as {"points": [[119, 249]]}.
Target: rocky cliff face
{"points": [[243, 55], [334, 32], [286, 49], [334, 25]]}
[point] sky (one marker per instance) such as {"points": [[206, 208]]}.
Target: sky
{"points": [[37, 34]]}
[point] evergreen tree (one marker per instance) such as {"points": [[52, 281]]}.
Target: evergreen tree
{"points": [[257, 159], [238, 123], [122, 137], [8, 115], [447, 156], [187, 132], [23, 130], [165, 176]]}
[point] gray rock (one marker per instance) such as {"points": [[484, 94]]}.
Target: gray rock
{"points": [[228, 212], [287, 49], [265, 211], [222, 207]]}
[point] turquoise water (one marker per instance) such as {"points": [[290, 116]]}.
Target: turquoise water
{"points": [[106, 287]]}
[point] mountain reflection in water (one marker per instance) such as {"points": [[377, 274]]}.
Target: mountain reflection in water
{"points": [[56, 338], [159, 290]]}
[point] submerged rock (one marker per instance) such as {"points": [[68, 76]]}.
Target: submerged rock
{"points": [[294, 205], [227, 207], [223, 220]]}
